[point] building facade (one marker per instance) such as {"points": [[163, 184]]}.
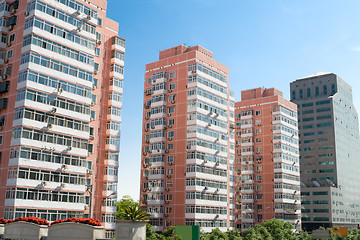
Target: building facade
{"points": [[267, 158], [329, 134], [187, 175], [61, 65]]}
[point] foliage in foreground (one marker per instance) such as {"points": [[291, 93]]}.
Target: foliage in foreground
{"points": [[273, 229], [167, 234]]}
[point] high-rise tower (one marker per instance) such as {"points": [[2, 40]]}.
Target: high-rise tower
{"points": [[329, 144], [60, 109], [267, 158], [187, 175]]}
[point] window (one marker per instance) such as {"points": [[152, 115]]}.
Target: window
{"points": [[293, 95], [172, 75], [317, 91], [308, 92], [333, 89], [257, 113], [170, 159], [170, 146], [9, 54], [3, 38], [1, 139], [325, 90], [12, 38], [97, 51], [171, 122], [171, 134], [172, 86], [301, 93]]}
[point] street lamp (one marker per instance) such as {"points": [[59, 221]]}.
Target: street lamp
{"points": [[102, 201]]}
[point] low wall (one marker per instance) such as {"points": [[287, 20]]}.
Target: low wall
{"points": [[25, 230], [130, 230], [75, 231]]}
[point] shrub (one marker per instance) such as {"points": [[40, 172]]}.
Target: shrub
{"points": [[89, 221], [35, 220]]}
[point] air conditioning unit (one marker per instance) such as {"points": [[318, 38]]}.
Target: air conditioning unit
{"points": [[170, 138], [147, 141], [173, 101], [169, 114], [43, 183], [170, 126], [49, 125], [92, 104], [26, 14], [60, 90], [166, 202], [209, 124], [170, 163], [217, 164], [98, 42], [146, 118], [91, 119], [166, 215], [10, 28], [62, 185], [53, 110], [69, 148], [95, 72], [167, 151], [146, 129], [166, 189], [170, 79], [1, 128], [91, 137], [89, 172], [188, 147], [205, 161], [77, 12], [217, 216], [88, 17], [63, 166], [78, 29], [168, 176], [152, 127], [6, 60], [170, 90]]}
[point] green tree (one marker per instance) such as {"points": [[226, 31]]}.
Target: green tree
{"points": [[215, 234], [128, 209], [234, 234], [353, 234], [279, 230]]}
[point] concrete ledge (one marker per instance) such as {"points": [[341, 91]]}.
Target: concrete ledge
{"points": [[130, 230], [75, 231], [25, 230]]}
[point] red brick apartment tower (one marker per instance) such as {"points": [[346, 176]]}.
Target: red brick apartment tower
{"points": [[61, 71], [187, 175], [267, 158]]}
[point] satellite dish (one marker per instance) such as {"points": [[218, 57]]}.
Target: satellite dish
{"points": [[330, 182], [302, 184], [316, 183]]}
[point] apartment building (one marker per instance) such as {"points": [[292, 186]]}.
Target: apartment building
{"points": [[187, 175], [61, 71], [329, 134], [267, 158]]}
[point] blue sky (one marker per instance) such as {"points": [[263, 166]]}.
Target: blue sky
{"points": [[265, 43]]}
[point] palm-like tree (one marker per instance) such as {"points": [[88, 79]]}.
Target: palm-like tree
{"points": [[133, 212]]}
